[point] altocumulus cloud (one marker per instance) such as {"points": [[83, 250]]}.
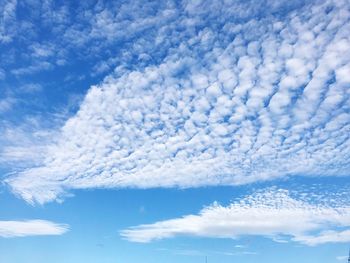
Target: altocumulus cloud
{"points": [[272, 213], [31, 228], [236, 100]]}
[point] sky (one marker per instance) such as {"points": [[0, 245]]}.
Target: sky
{"points": [[174, 131]]}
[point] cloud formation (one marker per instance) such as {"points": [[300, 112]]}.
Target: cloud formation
{"points": [[7, 15], [236, 99], [272, 214], [31, 228]]}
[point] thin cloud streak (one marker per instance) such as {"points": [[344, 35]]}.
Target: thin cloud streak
{"points": [[272, 214], [24, 228]]}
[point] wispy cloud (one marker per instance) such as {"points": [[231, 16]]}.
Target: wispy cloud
{"points": [[31, 228], [6, 104], [271, 214], [25, 144], [31, 88], [342, 258], [38, 67], [326, 237], [2, 74], [236, 99], [8, 16], [203, 253]]}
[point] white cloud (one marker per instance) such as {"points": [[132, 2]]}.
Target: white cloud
{"points": [[42, 50], [243, 103], [26, 144], [6, 104], [31, 88], [31, 228], [326, 237], [7, 16], [38, 67], [342, 258], [2, 74], [272, 214]]}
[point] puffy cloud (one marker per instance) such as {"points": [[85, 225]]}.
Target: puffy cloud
{"points": [[272, 214], [31, 228], [238, 100]]}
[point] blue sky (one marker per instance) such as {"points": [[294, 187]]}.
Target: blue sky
{"points": [[174, 130]]}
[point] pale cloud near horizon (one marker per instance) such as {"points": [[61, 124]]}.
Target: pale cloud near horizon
{"points": [[239, 101], [273, 214], [24, 228], [342, 258]]}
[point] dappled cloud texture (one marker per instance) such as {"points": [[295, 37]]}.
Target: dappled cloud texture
{"points": [[237, 98]]}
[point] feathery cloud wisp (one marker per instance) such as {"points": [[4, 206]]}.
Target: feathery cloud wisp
{"points": [[31, 228], [272, 214]]}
